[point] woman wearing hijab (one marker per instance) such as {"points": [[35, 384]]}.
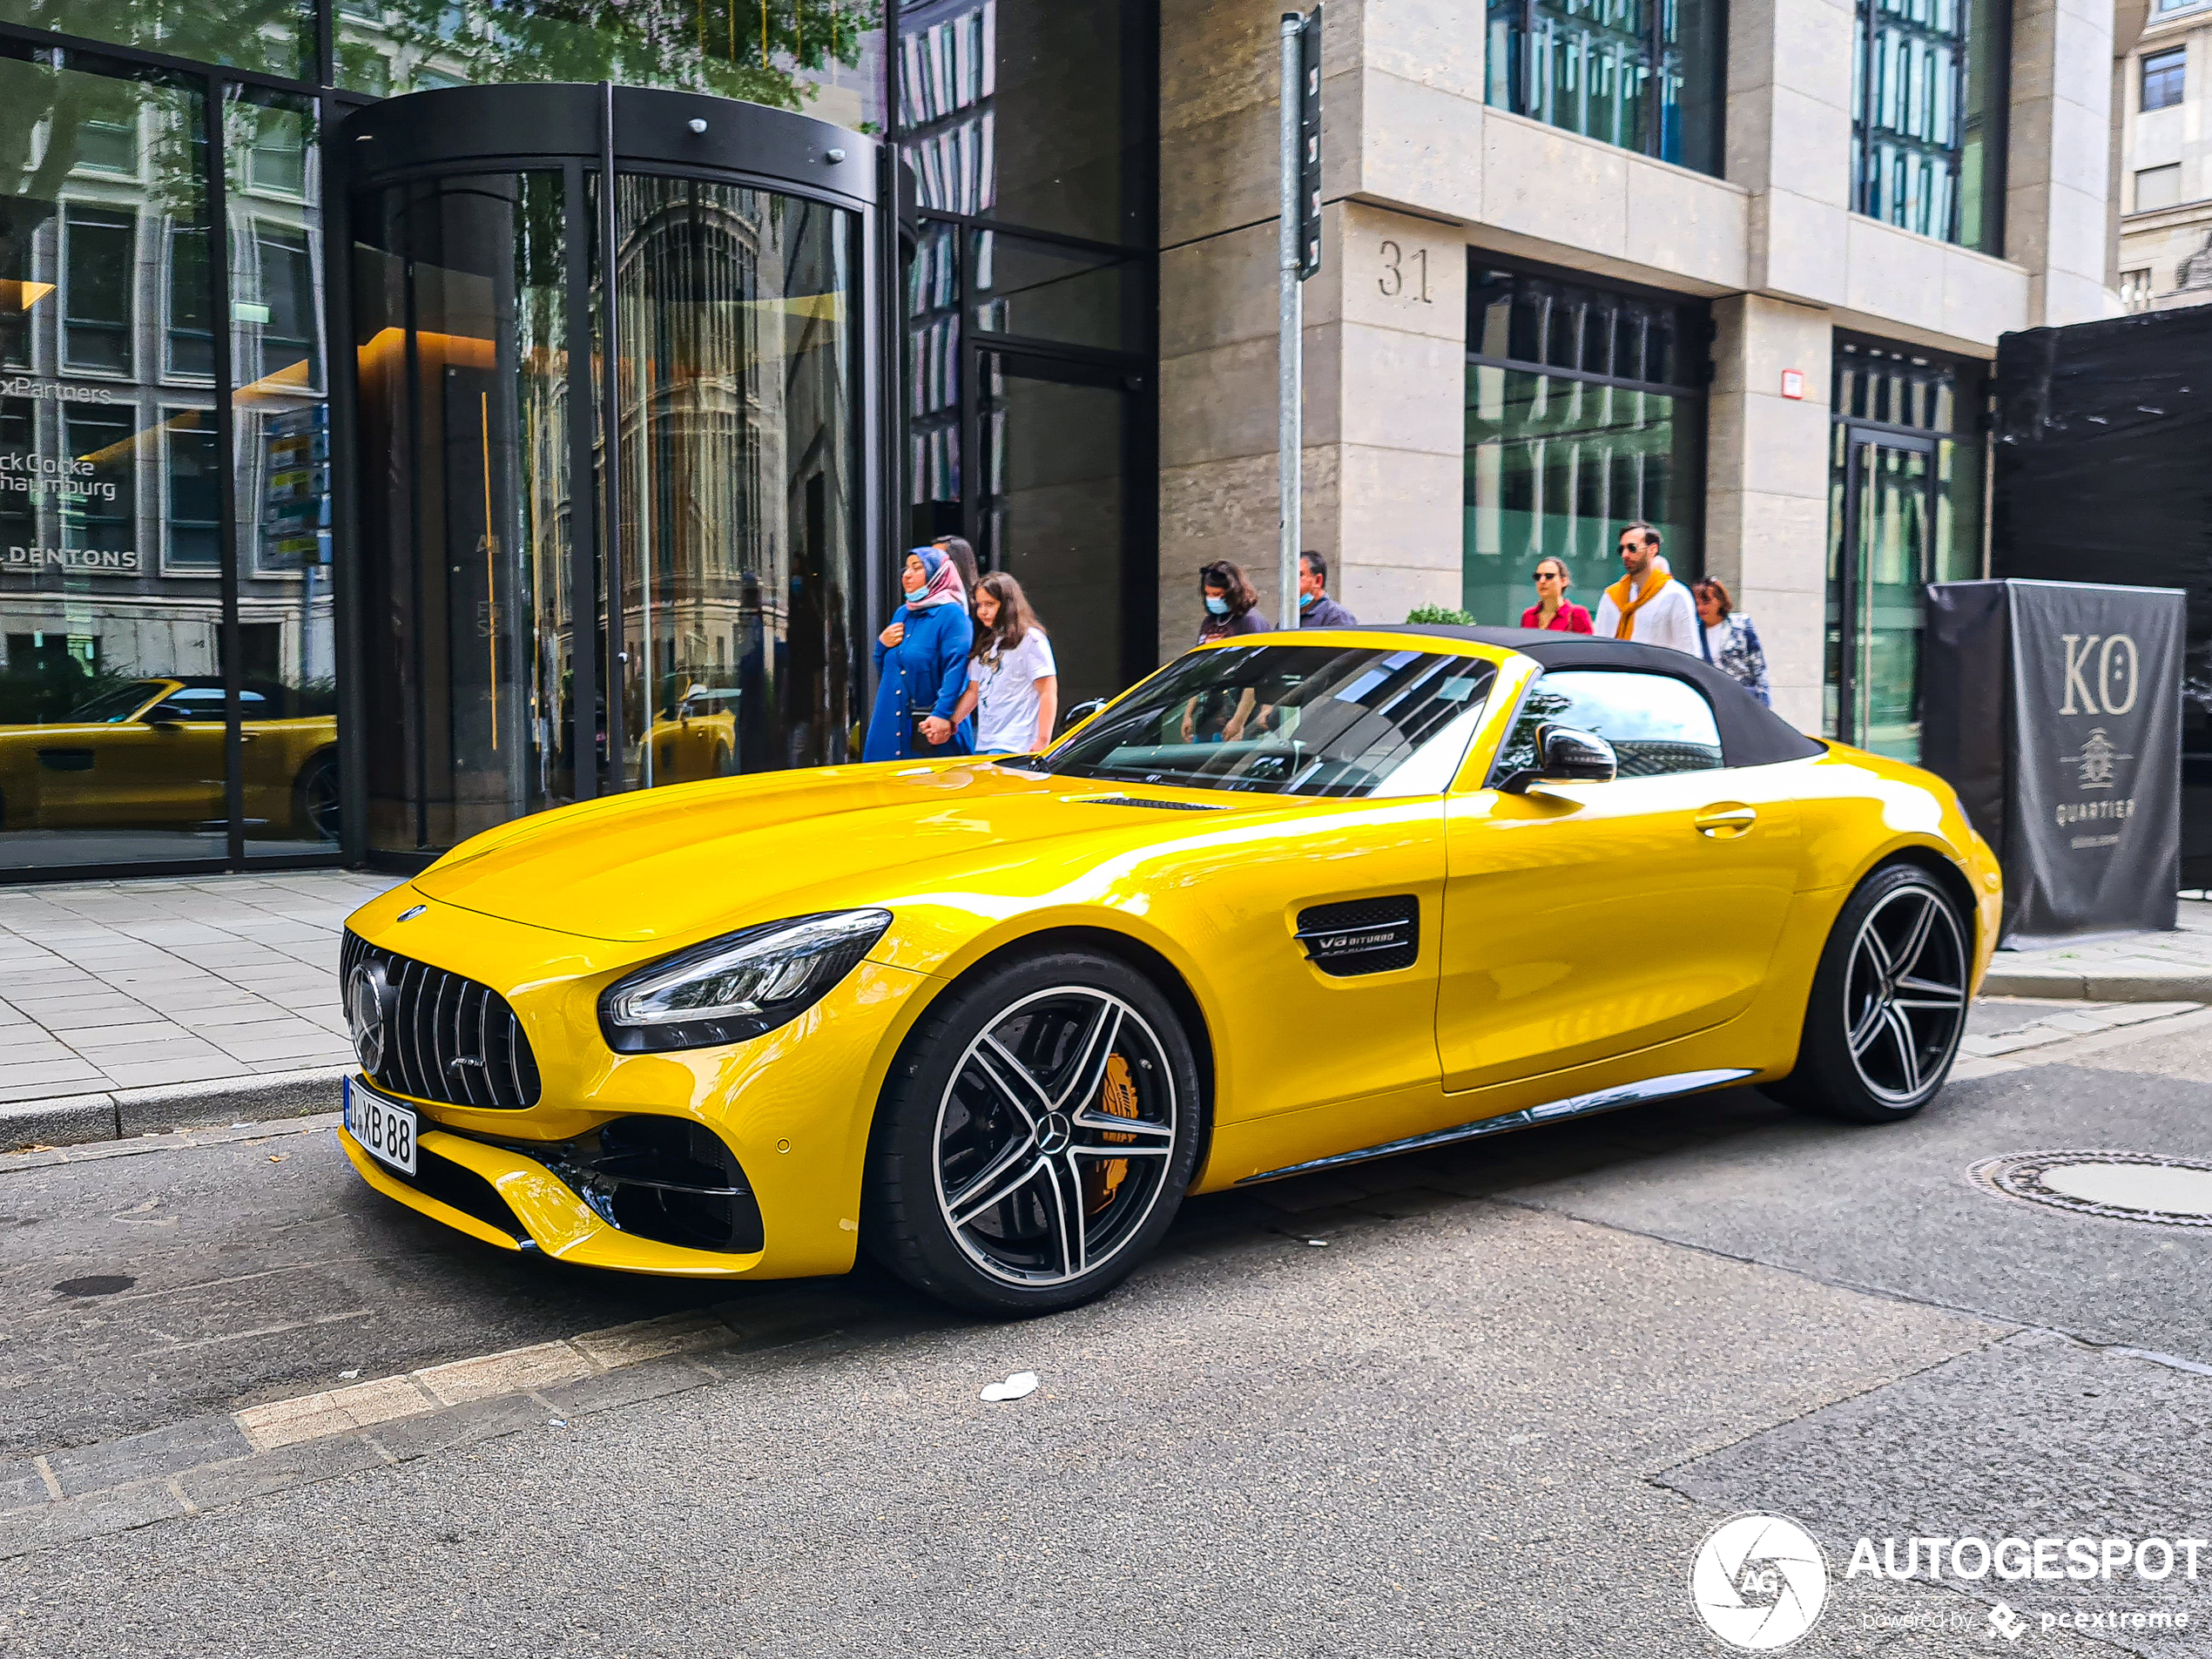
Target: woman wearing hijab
{"points": [[921, 666]]}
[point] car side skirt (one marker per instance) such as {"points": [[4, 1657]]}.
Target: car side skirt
{"points": [[1602, 1100]]}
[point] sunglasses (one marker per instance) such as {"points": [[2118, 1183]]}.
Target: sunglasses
{"points": [[1551, 575]]}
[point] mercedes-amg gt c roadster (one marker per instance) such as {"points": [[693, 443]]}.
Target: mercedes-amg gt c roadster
{"points": [[1294, 901]]}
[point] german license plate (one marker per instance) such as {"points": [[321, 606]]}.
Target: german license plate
{"points": [[384, 1128]]}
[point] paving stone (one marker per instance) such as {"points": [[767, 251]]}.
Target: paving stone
{"points": [[626, 1386], [153, 1455], [464, 1425]]}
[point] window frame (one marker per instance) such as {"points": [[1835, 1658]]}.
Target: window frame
{"points": [[2174, 58]]}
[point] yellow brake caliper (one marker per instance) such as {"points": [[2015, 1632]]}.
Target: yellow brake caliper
{"points": [[1116, 1095]]}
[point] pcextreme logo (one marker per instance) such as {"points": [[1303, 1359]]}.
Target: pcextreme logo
{"points": [[1758, 1582]]}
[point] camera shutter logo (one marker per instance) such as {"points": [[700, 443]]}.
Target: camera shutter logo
{"points": [[1758, 1582]]}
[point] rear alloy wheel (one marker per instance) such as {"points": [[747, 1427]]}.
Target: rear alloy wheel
{"points": [[314, 799], [1038, 1134], [1888, 1004]]}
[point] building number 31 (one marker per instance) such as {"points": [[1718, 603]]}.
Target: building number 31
{"points": [[1400, 266]]}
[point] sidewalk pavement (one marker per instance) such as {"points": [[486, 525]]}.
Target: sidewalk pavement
{"points": [[137, 1006], [2136, 967], [144, 1004]]}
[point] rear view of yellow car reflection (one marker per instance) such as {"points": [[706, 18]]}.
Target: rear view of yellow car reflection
{"points": [[149, 753], [695, 735]]}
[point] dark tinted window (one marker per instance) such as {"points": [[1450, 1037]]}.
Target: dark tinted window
{"points": [[1290, 719], [1655, 723]]}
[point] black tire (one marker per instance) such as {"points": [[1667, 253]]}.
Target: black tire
{"points": [[962, 1118], [1888, 1003], [314, 799]]}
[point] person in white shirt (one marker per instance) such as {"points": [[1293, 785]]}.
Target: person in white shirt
{"points": [[1648, 605], [1012, 682]]}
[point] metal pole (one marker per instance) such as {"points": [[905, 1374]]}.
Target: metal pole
{"points": [[1289, 373]]}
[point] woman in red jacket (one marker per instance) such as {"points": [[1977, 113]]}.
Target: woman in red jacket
{"points": [[1551, 610]]}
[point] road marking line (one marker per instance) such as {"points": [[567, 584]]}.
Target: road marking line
{"points": [[513, 1371]]}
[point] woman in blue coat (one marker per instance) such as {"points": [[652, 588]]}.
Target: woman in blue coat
{"points": [[921, 666]]}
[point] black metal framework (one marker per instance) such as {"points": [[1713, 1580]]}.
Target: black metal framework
{"points": [[1930, 100], [1591, 66], [945, 338], [587, 136]]}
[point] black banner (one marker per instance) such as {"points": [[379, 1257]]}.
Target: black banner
{"points": [[2055, 709]]}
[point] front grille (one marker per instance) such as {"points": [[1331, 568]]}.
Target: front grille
{"points": [[446, 1038]]}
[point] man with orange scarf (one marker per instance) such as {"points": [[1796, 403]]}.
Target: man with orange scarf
{"points": [[1648, 605]]}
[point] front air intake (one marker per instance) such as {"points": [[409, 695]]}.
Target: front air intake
{"points": [[1362, 936]]}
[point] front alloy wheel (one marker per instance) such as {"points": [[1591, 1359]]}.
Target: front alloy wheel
{"points": [[1889, 1002], [1037, 1136]]}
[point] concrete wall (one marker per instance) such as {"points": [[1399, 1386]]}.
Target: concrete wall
{"points": [[1417, 169]]}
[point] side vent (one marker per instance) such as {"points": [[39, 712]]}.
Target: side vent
{"points": [[1365, 936], [1157, 806]]}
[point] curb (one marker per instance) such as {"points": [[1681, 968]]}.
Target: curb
{"points": [[123, 1114], [2091, 986]]}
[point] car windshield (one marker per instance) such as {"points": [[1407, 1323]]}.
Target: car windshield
{"points": [[117, 703], [1290, 719]]}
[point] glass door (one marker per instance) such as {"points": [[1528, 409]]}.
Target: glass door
{"points": [[736, 392], [1056, 438], [1880, 559]]}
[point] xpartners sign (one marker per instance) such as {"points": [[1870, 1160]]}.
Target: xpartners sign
{"points": [[2055, 710]]}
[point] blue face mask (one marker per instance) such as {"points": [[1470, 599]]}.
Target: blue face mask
{"points": [[1218, 605], [1306, 599]]}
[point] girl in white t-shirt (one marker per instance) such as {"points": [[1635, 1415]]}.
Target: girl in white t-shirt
{"points": [[1012, 686]]}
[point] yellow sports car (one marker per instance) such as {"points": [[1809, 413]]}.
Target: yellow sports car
{"points": [[149, 753], [993, 1020]]}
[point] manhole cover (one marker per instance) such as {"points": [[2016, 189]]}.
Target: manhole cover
{"points": [[2118, 1186]]}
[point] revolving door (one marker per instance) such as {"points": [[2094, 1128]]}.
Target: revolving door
{"points": [[611, 534]]}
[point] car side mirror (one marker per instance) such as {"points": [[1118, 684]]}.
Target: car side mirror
{"points": [[1565, 756], [164, 716], [1076, 716]]}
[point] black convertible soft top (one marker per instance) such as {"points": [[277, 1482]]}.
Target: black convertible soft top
{"points": [[1751, 733]]}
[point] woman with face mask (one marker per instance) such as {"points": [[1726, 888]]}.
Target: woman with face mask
{"points": [[921, 665], [1232, 606]]}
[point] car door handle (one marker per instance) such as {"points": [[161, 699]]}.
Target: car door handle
{"points": [[1722, 823]]}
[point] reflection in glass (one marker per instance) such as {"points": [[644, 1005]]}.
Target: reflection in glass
{"points": [[818, 55], [932, 383], [280, 468], [461, 298], [1043, 291], [738, 321], [1554, 468], [1646, 74], [1066, 75], [1928, 100], [276, 36], [111, 713]]}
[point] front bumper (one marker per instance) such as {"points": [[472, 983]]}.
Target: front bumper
{"points": [[793, 1107]]}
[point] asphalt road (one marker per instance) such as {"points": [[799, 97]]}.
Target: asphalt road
{"points": [[1492, 1410]]}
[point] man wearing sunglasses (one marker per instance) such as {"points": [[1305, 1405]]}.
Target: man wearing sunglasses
{"points": [[1647, 604], [1553, 610]]}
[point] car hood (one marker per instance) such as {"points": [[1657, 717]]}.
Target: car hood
{"points": [[686, 861]]}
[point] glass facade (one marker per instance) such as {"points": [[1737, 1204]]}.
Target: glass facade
{"points": [[1929, 96], [1585, 411], [1029, 303], [166, 526], [1905, 471], [167, 689], [1646, 75]]}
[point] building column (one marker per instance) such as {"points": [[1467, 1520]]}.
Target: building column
{"points": [[2058, 157], [1766, 487]]}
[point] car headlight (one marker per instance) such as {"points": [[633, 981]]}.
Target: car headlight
{"points": [[736, 986]]}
